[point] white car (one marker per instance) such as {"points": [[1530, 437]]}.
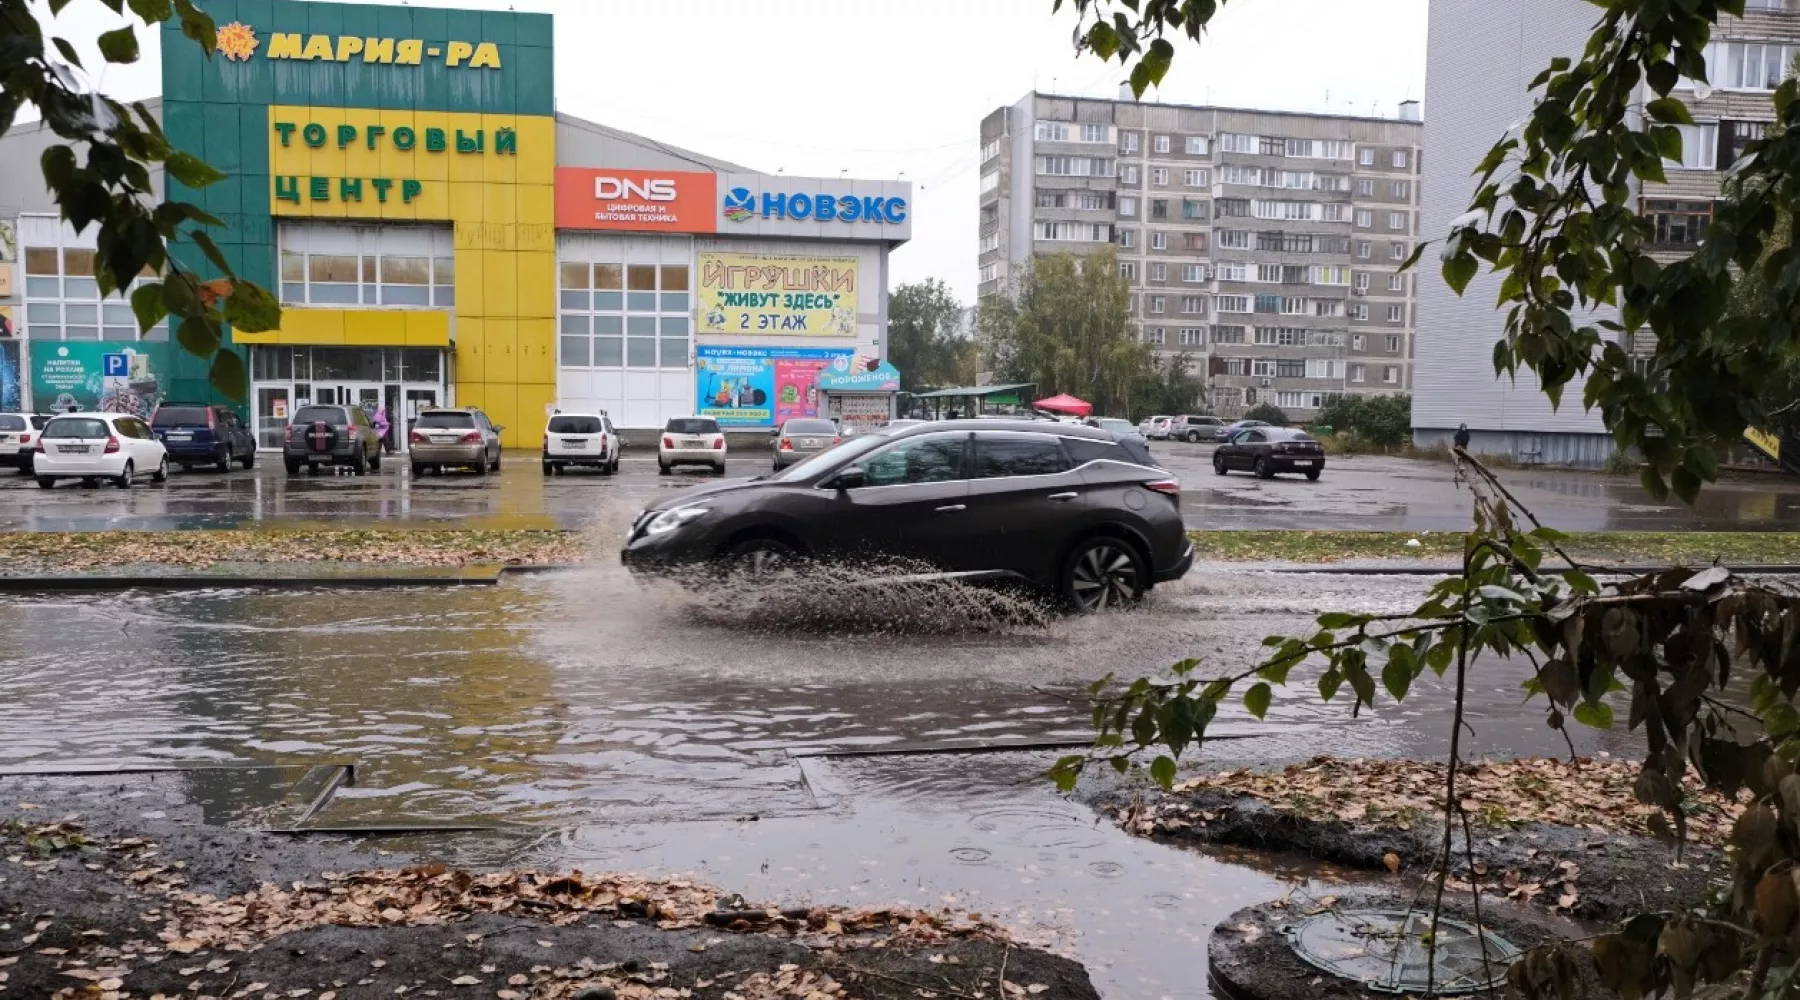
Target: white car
{"points": [[96, 446], [18, 438], [691, 441], [1156, 428], [580, 439]]}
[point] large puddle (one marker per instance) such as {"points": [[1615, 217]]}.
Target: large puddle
{"points": [[641, 730]]}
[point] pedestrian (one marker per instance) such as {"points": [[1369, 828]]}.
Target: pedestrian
{"points": [[1462, 436], [381, 430]]}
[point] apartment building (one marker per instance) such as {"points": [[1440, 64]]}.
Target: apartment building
{"points": [[1481, 57], [1265, 246]]}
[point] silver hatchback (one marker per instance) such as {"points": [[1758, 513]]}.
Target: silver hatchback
{"points": [[803, 438]]}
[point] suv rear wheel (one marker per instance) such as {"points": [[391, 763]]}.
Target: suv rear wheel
{"points": [[1193, 437], [225, 460], [1103, 572], [360, 463]]}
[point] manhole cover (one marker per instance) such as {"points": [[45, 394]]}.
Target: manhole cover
{"points": [[1386, 950]]}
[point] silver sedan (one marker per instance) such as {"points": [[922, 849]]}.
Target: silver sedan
{"points": [[803, 438]]}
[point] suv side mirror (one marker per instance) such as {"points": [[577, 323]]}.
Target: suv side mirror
{"points": [[850, 478]]}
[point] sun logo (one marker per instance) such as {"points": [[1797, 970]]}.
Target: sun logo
{"points": [[237, 41]]}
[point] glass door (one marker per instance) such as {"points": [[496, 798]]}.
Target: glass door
{"points": [[273, 408], [418, 399]]}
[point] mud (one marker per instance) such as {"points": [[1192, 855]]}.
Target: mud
{"points": [[1580, 873], [73, 918]]}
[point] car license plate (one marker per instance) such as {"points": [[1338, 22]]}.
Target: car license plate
{"points": [[75, 449], [813, 443], [1303, 464], [692, 443], [181, 435], [443, 439], [573, 443]]}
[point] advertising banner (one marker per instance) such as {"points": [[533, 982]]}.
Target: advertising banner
{"points": [[109, 377], [11, 385], [861, 375], [760, 386], [654, 201], [762, 295]]}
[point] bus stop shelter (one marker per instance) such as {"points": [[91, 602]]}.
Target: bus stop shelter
{"points": [[973, 401]]}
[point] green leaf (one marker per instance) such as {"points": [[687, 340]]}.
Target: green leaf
{"points": [[1397, 676], [1670, 111], [1459, 271], [181, 294], [1257, 700], [147, 305], [1417, 252], [1340, 619], [1329, 682], [152, 11], [1066, 772], [1439, 657], [228, 375], [191, 170], [206, 245], [199, 336], [1597, 715], [119, 46], [251, 308], [1162, 771], [1686, 484]]}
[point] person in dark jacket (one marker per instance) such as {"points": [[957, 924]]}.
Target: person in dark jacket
{"points": [[1462, 436]]}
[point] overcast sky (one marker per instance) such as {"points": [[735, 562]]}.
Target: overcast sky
{"points": [[898, 88]]}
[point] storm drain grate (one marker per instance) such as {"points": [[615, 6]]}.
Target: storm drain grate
{"points": [[1388, 950]]}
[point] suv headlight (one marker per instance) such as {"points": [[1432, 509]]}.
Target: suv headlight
{"points": [[669, 520]]}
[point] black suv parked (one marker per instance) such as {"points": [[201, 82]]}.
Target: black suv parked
{"points": [[1076, 511], [331, 435]]}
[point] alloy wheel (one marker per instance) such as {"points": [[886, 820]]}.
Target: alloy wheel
{"points": [[1105, 575]]}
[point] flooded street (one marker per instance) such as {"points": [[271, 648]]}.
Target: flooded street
{"points": [[642, 730]]}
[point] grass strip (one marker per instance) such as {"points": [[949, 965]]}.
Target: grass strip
{"points": [[1634, 548]]}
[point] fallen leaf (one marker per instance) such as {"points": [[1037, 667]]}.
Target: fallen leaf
{"points": [[185, 946], [1392, 861], [465, 981]]}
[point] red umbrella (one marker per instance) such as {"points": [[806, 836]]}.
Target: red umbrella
{"points": [[1065, 403]]}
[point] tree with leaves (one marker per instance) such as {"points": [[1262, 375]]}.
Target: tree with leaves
{"points": [[100, 176], [1170, 387], [1552, 215], [1268, 413], [925, 337]]}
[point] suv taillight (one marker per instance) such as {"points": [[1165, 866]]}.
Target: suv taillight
{"points": [[473, 437], [112, 445], [25, 439], [418, 437], [787, 445], [212, 419]]}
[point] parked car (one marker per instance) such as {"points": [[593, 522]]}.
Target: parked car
{"points": [[803, 437], [325, 434], [1124, 428], [1228, 431], [95, 446], [691, 441], [581, 439], [18, 438], [196, 433], [1155, 428], [1195, 429], [1268, 450], [1076, 511], [462, 437]]}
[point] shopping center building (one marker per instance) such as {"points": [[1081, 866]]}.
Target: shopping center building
{"points": [[439, 235]]}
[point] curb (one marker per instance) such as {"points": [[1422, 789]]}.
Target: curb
{"points": [[105, 584], [1779, 569]]}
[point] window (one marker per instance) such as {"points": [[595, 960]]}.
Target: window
{"points": [[1231, 207], [1128, 270], [990, 242], [1366, 157], [1128, 142], [1052, 132], [990, 181], [1402, 189], [1237, 143], [1271, 146], [1390, 374], [1159, 241], [1231, 173], [1191, 337], [1127, 238], [350, 265], [1095, 133], [1230, 270], [62, 297], [1331, 182], [1357, 373], [1156, 303], [1193, 273], [1072, 232], [1231, 303], [989, 272], [1159, 176], [1365, 188], [1330, 274], [1128, 207], [1268, 303], [1193, 305], [1328, 307], [1193, 242], [1399, 159], [1162, 144], [1094, 200], [1228, 335], [1362, 281], [1293, 306], [1196, 145], [1129, 175], [1074, 166], [1335, 212], [1262, 366], [1396, 282], [632, 315], [1299, 210], [1268, 272], [1194, 178], [1234, 239], [990, 150], [1279, 336], [1193, 210], [1324, 368], [1357, 311], [1396, 251], [1362, 249], [1748, 65], [1365, 219], [1730, 139], [1357, 341], [1159, 208], [934, 459], [1396, 314], [1393, 343], [1396, 220], [1290, 368], [1679, 223], [1155, 335], [1159, 272]]}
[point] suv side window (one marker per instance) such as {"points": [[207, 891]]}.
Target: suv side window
{"points": [[1002, 455], [934, 459], [1256, 437]]}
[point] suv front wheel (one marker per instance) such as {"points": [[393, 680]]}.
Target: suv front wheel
{"points": [[1103, 572]]}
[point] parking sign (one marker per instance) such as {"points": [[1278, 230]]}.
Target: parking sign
{"points": [[115, 365]]}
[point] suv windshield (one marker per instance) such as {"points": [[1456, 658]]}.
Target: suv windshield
{"points": [[448, 421], [8, 422], [77, 427], [179, 416], [319, 414], [692, 425], [575, 425], [809, 427], [1117, 426]]}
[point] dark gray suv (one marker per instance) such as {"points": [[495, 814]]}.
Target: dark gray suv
{"points": [[322, 434], [1076, 511]]}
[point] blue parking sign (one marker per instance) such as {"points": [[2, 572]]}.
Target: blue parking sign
{"points": [[115, 365]]}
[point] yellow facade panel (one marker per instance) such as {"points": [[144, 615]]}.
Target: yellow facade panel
{"points": [[470, 271], [310, 326], [502, 350], [537, 350], [427, 329], [499, 205], [500, 402], [375, 327], [471, 345], [500, 283], [537, 285], [533, 404]]}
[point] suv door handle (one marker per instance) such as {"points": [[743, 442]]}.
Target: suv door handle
{"points": [[952, 508], [1061, 497]]}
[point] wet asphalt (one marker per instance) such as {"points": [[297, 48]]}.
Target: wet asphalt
{"points": [[1355, 493]]}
